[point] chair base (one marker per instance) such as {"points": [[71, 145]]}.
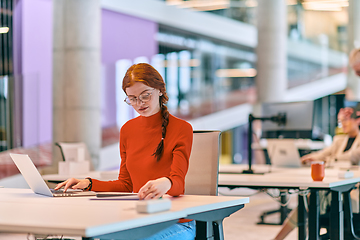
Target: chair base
{"points": [[284, 212]]}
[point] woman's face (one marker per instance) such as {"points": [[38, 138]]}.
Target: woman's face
{"points": [[356, 67], [150, 96], [348, 124]]}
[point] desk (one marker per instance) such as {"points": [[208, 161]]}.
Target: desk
{"points": [[298, 178], [22, 211], [302, 144]]}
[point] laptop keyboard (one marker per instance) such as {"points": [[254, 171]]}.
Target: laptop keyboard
{"points": [[69, 192]]}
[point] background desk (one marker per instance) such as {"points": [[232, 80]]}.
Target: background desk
{"points": [[298, 178], [22, 211], [302, 144]]}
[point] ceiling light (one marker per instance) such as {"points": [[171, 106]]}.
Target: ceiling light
{"points": [[4, 30], [251, 3], [174, 2], [325, 5], [184, 63], [201, 5], [228, 73], [291, 2]]}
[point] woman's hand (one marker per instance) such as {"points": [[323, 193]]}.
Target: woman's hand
{"points": [[154, 189], [306, 159], [73, 183]]}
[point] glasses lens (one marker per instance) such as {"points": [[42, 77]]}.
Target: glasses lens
{"points": [[130, 101], [144, 97]]}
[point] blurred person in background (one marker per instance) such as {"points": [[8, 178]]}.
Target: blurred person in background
{"points": [[354, 60], [345, 147]]}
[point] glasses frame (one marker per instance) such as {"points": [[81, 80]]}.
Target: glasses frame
{"points": [[138, 98]]}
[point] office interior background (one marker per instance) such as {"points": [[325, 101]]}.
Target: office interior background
{"points": [[221, 61]]}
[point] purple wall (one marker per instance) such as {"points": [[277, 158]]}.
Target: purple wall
{"points": [[37, 71], [123, 37]]}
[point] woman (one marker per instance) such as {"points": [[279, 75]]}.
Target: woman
{"points": [[354, 60], [345, 147], [154, 147]]}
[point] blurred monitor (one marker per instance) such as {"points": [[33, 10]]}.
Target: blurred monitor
{"points": [[299, 120]]}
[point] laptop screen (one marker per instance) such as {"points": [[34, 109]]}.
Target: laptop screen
{"points": [[283, 153]]}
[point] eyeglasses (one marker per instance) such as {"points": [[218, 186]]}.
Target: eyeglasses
{"points": [[143, 97]]}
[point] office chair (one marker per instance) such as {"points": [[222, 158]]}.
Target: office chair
{"points": [[202, 175], [202, 179]]}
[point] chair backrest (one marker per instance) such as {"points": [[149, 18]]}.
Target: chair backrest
{"points": [[69, 151], [202, 176]]}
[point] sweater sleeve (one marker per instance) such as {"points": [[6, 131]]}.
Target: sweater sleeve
{"points": [[180, 164], [355, 156], [328, 153], [323, 154], [352, 155], [123, 183], [334, 151]]}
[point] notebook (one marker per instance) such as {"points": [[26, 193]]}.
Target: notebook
{"points": [[283, 153], [37, 183]]}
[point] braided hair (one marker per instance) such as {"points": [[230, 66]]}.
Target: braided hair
{"points": [[148, 75]]}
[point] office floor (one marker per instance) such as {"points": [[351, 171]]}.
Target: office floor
{"points": [[240, 225], [243, 224]]}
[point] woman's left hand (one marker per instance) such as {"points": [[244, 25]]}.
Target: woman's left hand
{"points": [[154, 189]]}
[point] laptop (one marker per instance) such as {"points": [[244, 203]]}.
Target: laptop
{"points": [[37, 183], [283, 153]]}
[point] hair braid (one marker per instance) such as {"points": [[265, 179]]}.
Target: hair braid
{"points": [[165, 121]]}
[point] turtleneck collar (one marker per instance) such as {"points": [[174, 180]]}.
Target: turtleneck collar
{"points": [[152, 121]]}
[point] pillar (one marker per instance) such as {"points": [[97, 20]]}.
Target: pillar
{"points": [[76, 75], [353, 84], [271, 79]]}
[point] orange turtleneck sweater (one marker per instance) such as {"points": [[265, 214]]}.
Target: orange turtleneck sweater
{"points": [[139, 138]]}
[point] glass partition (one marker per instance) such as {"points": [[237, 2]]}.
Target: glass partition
{"points": [[307, 20], [22, 122], [10, 113], [317, 40]]}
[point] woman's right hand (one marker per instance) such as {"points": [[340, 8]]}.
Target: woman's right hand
{"points": [[306, 159], [73, 183]]}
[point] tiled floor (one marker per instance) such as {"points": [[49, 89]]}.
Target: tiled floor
{"points": [[240, 225]]}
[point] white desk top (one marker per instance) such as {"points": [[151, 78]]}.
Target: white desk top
{"points": [[305, 144], [22, 211], [281, 177]]}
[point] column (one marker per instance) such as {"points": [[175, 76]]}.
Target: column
{"points": [[76, 75], [271, 79], [353, 84]]}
